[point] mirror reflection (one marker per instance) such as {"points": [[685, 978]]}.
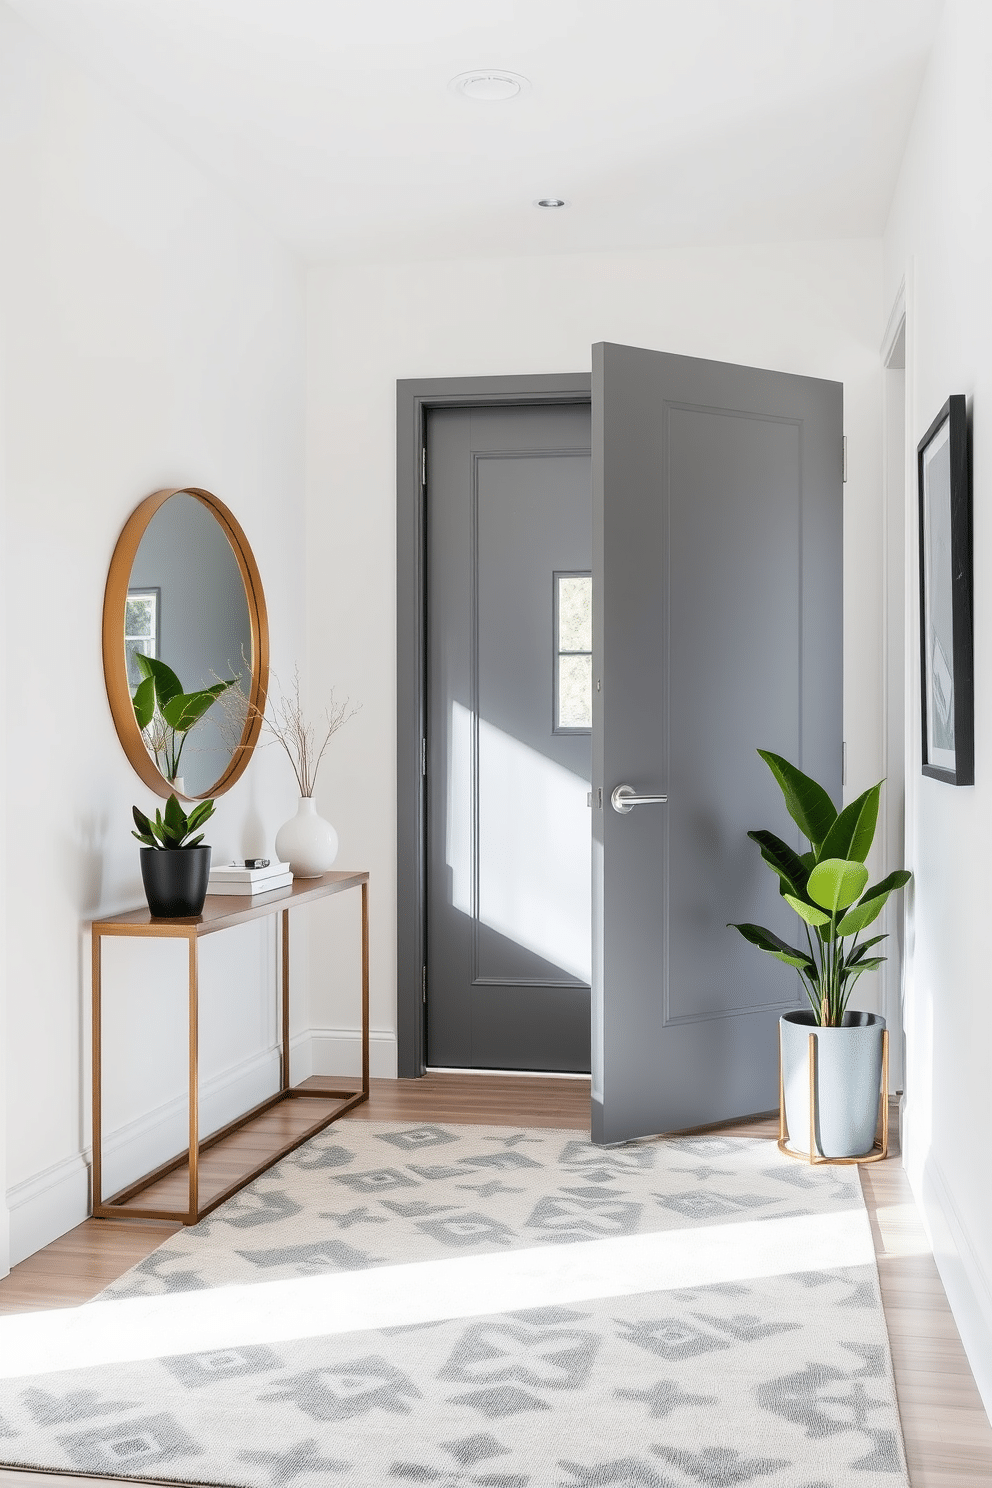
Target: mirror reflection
{"points": [[187, 638]]}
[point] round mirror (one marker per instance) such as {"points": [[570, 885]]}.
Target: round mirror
{"points": [[185, 644]]}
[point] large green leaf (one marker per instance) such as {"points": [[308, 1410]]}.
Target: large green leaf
{"points": [[200, 814], [187, 708], [859, 952], [144, 702], [872, 902], [806, 802], [783, 859], [167, 684], [836, 882], [809, 912], [852, 833], [849, 978], [144, 833], [176, 825], [767, 940], [870, 963], [141, 821]]}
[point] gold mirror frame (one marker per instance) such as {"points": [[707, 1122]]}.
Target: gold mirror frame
{"points": [[114, 660]]}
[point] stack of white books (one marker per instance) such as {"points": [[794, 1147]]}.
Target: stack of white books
{"points": [[235, 878]]}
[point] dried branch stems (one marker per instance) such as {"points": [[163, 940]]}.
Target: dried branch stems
{"points": [[284, 720]]}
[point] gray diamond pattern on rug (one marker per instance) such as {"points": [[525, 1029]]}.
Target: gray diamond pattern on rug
{"points": [[781, 1380]]}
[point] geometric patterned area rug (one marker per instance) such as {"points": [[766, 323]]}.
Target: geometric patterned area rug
{"points": [[479, 1307]]}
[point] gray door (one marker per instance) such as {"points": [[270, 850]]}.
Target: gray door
{"points": [[717, 525], [509, 539]]}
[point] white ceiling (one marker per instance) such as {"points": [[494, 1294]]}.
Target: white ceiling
{"points": [[661, 121]]}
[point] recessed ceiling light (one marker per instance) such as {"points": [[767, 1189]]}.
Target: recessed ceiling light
{"points": [[487, 85], [551, 201]]}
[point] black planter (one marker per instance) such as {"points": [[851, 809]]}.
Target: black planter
{"points": [[175, 880]]}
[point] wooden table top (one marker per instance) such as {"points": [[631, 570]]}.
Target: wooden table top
{"points": [[220, 911]]}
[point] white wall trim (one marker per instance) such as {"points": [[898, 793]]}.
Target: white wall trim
{"points": [[44, 1206], [49, 1203], [152, 1138], [896, 474], [338, 1051], [968, 1290], [894, 327]]}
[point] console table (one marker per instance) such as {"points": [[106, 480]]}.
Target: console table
{"points": [[221, 912]]}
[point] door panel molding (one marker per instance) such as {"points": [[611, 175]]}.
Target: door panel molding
{"points": [[478, 979], [672, 406], [415, 398]]}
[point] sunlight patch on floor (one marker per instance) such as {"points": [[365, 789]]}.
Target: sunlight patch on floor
{"points": [[101, 1333], [901, 1231]]}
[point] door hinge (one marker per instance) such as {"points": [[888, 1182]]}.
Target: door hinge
{"points": [[423, 465], [845, 460], [423, 755], [423, 986]]}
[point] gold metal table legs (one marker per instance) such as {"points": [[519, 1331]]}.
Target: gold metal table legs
{"points": [[124, 1203]]}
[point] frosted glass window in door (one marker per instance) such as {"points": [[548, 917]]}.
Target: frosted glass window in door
{"points": [[573, 652]]}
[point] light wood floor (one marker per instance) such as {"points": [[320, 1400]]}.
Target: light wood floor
{"points": [[948, 1436]]}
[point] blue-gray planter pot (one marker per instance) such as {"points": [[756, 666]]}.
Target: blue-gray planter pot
{"points": [[175, 880], [848, 1082]]}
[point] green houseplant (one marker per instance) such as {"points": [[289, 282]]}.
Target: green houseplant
{"points": [[175, 861], [166, 714], [828, 888]]}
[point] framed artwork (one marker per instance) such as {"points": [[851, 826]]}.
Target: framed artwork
{"points": [[946, 597]]}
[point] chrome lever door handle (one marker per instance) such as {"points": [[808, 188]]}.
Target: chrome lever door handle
{"points": [[624, 799]]}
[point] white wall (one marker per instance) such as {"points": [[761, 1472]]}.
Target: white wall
{"points": [[806, 308], [154, 335], [940, 238]]}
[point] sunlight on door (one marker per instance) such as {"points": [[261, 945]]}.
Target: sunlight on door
{"points": [[533, 852]]}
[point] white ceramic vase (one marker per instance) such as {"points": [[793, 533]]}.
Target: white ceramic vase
{"points": [[306, 842]]}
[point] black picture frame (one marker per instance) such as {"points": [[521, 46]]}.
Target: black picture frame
{"points": [[946, 625]]}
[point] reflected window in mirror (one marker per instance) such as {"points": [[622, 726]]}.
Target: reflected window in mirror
{"points": [[141, 629]]}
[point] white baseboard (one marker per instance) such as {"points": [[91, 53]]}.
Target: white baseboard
{"points": [[43, 1207], [968, 1289], [338, 1051], [160, 1133], [49, 1203]]}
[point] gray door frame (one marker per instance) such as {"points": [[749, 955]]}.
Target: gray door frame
{"points": [[415, 398]]}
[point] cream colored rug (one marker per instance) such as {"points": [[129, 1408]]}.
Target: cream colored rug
{"points": [[472, 1307]]}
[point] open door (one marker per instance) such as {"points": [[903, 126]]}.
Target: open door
{"points": [[717, 574]]}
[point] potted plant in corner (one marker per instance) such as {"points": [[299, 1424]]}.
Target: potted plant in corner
{"points": [[827, 886], [175, 864]]}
